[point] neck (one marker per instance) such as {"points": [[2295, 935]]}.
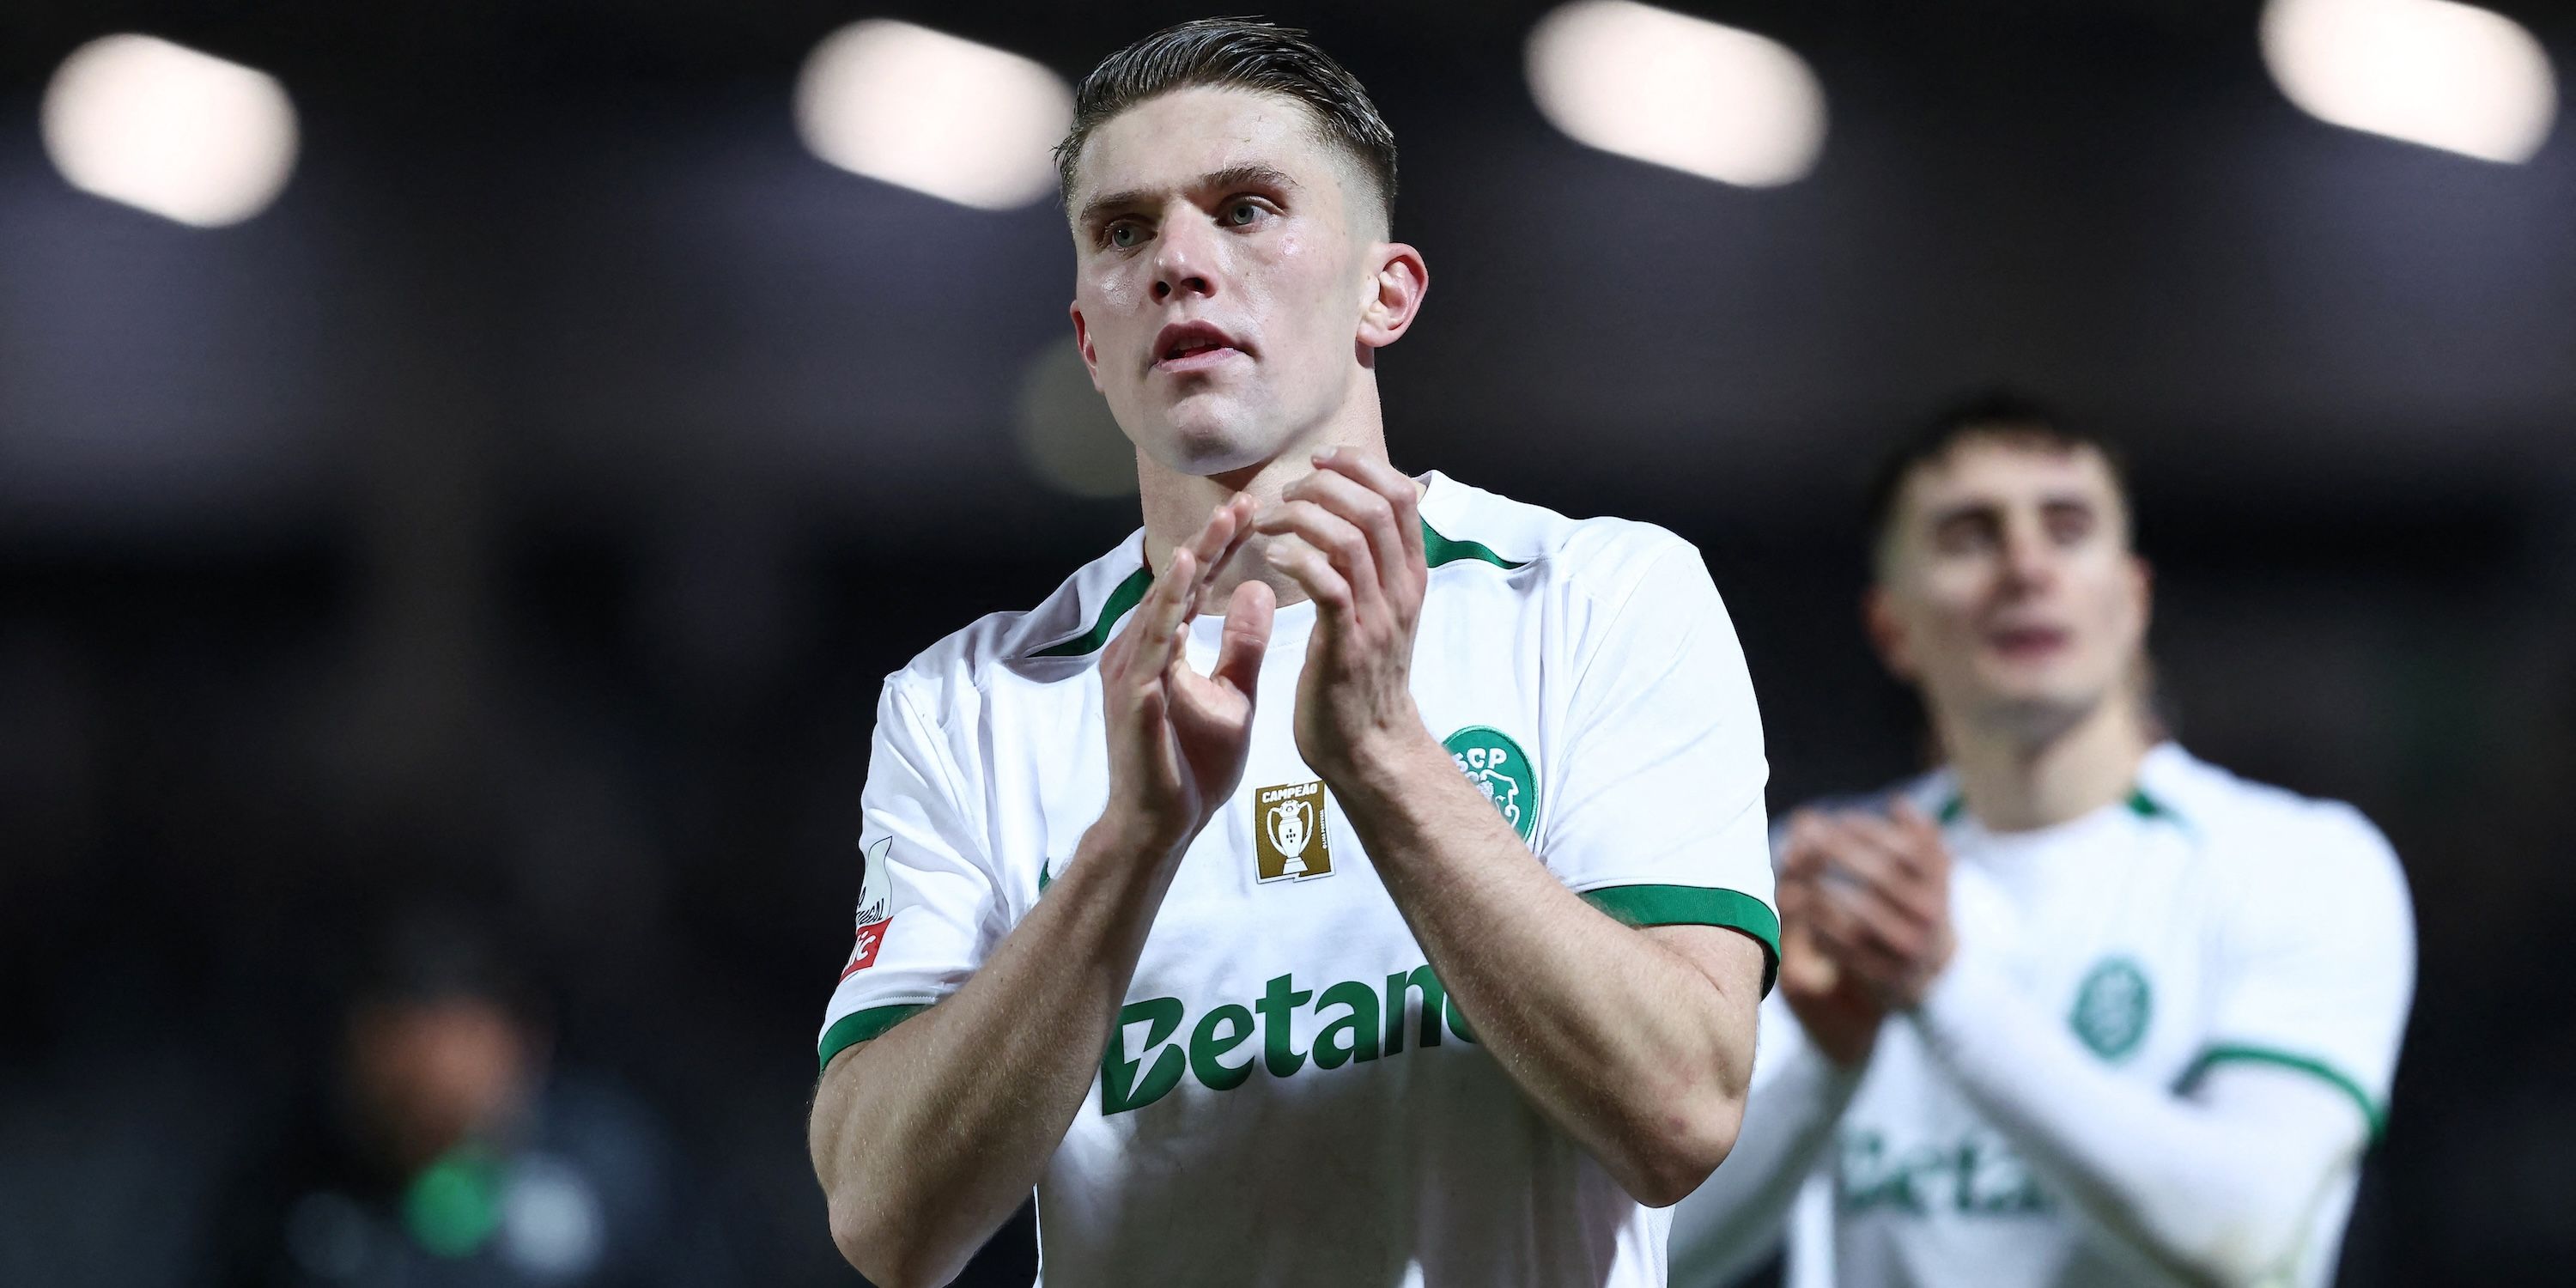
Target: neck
{"points": [[2015, 780], [1178, 505]]}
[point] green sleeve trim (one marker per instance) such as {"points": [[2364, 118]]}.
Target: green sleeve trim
{"points": [[859, 1026], [1680, 905], [2372, 1113], [1125, 597]]}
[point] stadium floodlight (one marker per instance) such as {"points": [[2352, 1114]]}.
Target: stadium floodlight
{"points": [[934, 113], [1678, 91], [161, 127], [2445, 75]]}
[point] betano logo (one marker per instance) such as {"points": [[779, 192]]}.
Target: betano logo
{"points": [[1368, 1027]]}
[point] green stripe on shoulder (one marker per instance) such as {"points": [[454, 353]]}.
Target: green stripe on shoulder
{"points": [[860, 1026], [2372, 1113], [1680, 905], [1120, 600], [1438, 550]]}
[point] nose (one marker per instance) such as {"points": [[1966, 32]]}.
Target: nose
{"points": [[2030, 560], [1185, 253]]}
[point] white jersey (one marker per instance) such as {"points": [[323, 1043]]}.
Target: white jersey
{"points": [[1288, 1096], [2205, 920]]}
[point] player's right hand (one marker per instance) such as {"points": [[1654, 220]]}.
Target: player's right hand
{"points": [[1837, 1008], [1177, 739]]}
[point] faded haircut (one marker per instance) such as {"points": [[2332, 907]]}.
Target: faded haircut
{"points": [[1236, 53]]}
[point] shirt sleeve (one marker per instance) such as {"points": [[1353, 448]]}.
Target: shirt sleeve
{"points": [[929, 905], [2318, 960], [1658, 816]]}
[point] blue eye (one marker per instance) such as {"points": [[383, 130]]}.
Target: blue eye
{"points": [[1125, 236], [1242, 213]]}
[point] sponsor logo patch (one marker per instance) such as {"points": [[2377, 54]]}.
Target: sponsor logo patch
{"points": [[876, 904], [871, 937], [2112, 1008], [1288, 840], [1495, 764]]}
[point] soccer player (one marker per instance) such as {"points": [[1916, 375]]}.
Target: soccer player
{"points": [[1405, 923], [2075, 1008]]}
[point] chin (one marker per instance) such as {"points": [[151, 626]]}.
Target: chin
{"points": [[1205, 441], [2041, 711]]}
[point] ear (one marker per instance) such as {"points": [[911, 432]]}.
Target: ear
{"points": [[1396, 286], [2142, 589], [1082, 341], [1887, 633]]}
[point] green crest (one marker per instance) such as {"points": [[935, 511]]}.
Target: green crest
{"points": [[1496, 765], [2112, 1007]]}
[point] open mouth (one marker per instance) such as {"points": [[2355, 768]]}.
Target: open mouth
{"points": [[1193, 346], [2027, 643]]}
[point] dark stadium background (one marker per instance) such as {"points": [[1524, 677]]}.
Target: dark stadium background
{"points": [[515, 521]]}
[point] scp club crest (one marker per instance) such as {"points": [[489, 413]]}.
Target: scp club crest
{"points": [[1288, 837], [1501, 772]]}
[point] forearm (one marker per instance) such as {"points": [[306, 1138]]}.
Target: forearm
{"points": [[928, 1137], [1631, 1047], [1728, 1224], [2221, 1194]]}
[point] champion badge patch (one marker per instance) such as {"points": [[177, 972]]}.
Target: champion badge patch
{"points": [[1495, 764], [1288, 841]]}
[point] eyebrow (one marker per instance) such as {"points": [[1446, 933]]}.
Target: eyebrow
{"points": [[1986, 506], [1229, 178]]}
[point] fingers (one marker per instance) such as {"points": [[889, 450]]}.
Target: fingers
{"points": [[1921, 830], [1846, 936], [1890, 854], [1382, 521], [1158, 620], [1217, 542], [1403, 498], [1247, 638], [1873, 892], [1327, 557]]}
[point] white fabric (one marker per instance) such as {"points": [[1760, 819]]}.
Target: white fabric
{"points": [[1282, 1102], [2219, 1187], [2242, 959]]}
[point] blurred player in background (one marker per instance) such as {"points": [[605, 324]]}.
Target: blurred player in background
{"points": [[1183, 920], [448, 1150], [2076, 1007]]}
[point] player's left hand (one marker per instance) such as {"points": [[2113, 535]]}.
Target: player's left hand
{"points": [[1881, 906], [1350, 536]]}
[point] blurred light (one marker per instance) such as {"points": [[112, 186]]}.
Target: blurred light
{"points": [[185, 135], [1066, 432], [933, 113], [2427, 71], [1678, 91]]}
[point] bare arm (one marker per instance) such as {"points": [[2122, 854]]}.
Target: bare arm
{"points": [[1637, 1043], [1803, 1079], [926, 1138]]}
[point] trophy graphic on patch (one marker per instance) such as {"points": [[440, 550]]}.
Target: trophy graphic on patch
{"points": [[1288, 833]]}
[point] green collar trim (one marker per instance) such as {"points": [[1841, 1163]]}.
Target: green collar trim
{"points": [[2139, 803], [1127, 595], [1436, 550]]}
